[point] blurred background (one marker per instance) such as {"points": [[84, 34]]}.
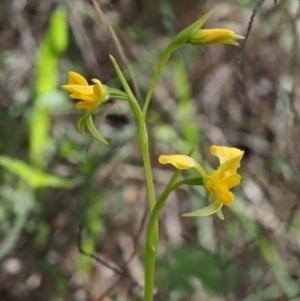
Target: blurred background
{"points": [[73, 210]]}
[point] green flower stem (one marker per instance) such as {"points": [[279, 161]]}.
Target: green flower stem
{"points": [[115, 93], [151, 239], [178, 41], [152, 230], [143, 137], [132, 100], [150, 91], [163, 60]]}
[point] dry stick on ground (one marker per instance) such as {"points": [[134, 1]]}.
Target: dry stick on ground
{"points": [[138, 235], [122, 274], [79, 245], [111, 288], [134, 252], [295, 65], [258, 4], [118, 46]]}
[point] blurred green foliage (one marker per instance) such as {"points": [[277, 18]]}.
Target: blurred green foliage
{"points": [[45, 85], [54, 180]]}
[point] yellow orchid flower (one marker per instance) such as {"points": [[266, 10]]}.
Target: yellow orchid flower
{"points": [[221, 180], [90, 95], [214, 36]]}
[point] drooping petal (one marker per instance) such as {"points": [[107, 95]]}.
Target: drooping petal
{"points": [[225, 153], [86, 90], [76, 79], [83, 97], [226, 197], [179, 161], [98, 88], [84, 104]]}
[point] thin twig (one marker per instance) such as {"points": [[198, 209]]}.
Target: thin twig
{"points": [[134, 252], [121, 273], [258, 4], [118, 46], [111, 288], [138, 235]]}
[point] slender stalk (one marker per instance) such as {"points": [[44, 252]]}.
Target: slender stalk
{"points": [[150, 91], [161, 63], [147, 165], [152, 241], [143, 134], [152, 230]]}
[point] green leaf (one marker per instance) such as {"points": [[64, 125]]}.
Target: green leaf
{"points": [[51, 47], [33, 176], [211, 209], [93, 130], [83, 119], [58, 30], [220, 214], [40, 141]]}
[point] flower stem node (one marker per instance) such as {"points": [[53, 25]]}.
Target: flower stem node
{"points": [[214, 36], [217, 182]]}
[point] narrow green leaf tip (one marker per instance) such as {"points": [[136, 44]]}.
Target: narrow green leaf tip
{"points": [[211, 209], [93, 130]]}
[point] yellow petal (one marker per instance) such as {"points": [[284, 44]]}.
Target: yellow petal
{"points": [[221, 191], [179, 161], [76, 79], [226, 197], [84, 104], [86, 90], [229, 167], [214, 36], [84, 97], [98, 88], [211, 36], [225, 153], [231, 181]]}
